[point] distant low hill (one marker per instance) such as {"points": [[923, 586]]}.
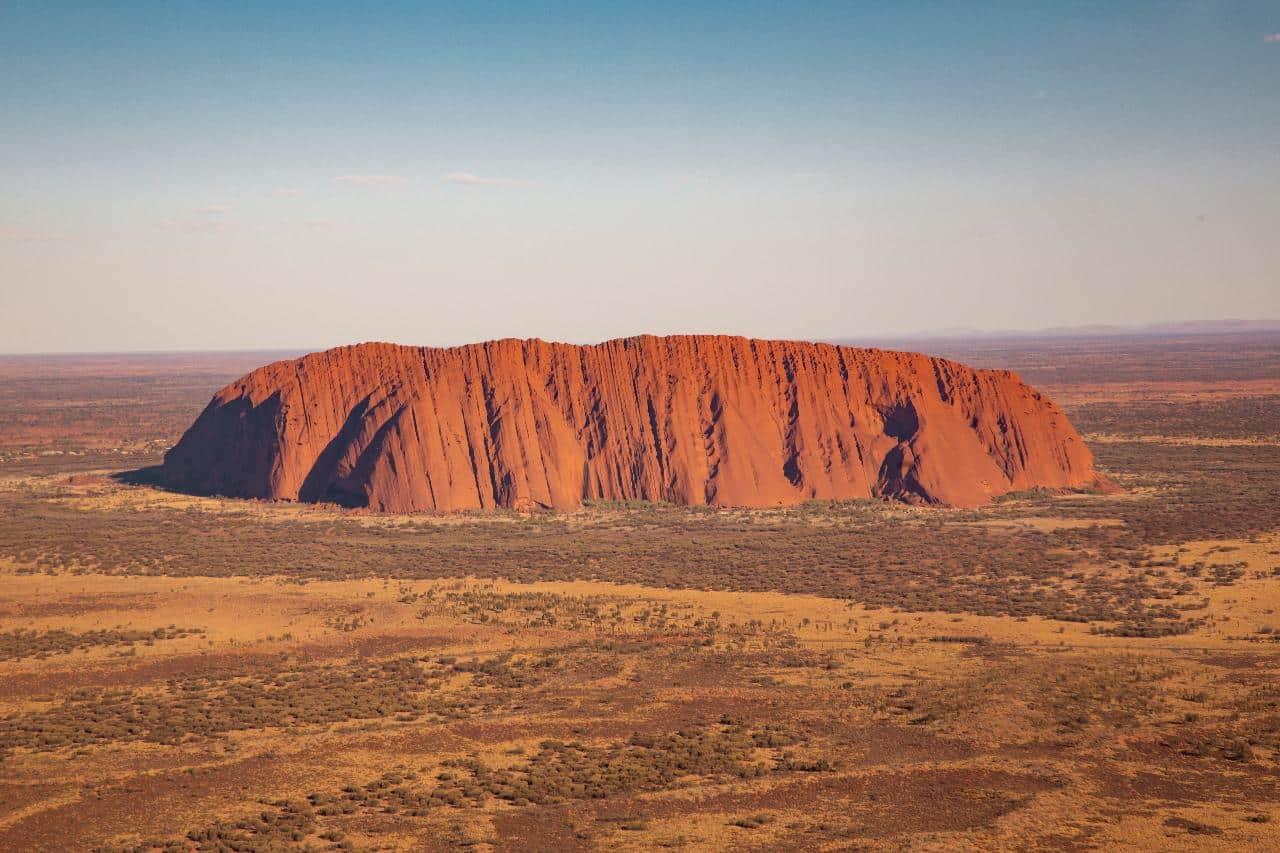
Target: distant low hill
{"points": [[1192, 327]]}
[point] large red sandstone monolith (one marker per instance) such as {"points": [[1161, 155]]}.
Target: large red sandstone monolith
{"points": [[715, 420]]}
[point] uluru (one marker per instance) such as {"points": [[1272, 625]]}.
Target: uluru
{"points": [[695, 420]]}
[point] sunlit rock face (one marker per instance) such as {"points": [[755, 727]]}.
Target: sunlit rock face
{"points": [[717, 420]]}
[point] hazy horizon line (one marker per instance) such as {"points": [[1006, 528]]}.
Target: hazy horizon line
{"points": [[1221, 326]]}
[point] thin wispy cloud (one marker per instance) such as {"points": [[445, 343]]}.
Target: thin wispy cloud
{"points": [[210, 219], [471, 179], [1272, 38], [371, 180], [195, 225]]}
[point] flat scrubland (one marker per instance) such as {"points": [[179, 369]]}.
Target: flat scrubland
{"points": [[1056, 671]]}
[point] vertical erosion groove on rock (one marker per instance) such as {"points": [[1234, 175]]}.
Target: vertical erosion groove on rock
{"points": [[717, 420]]}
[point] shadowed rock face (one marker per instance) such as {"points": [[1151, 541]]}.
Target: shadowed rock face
{"points": [[692, 420]]}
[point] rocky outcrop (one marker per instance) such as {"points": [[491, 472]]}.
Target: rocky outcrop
{"points": [[714, 420]]}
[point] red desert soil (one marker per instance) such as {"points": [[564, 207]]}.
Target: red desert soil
{"points": [[717, 420]]}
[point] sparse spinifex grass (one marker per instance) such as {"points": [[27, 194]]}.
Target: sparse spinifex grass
{"points": [[1066, 671]]}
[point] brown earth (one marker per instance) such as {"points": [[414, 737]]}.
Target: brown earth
{"points": [[716, 420], [1054, 671]]}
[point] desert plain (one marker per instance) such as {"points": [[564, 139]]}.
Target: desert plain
{"points": [[1082, 669]]}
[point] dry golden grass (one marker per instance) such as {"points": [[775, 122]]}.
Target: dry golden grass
{"points": [[941, 730], [189, 673]]}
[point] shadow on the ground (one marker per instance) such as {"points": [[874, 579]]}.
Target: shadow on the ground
{"points": [[148, 476]]}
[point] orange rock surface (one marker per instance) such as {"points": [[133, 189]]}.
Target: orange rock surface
{"points": [[716, 420]]}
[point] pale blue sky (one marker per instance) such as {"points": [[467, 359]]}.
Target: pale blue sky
{"points": [[222, 175]]}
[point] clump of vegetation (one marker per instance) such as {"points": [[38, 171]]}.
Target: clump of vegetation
{"points": [[561, 771], [1148, 628], [19, 644], [1069, 695], [286, 825], [202, 707], [860, 551], [614, 614], [752, 821], [557, 772]]}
